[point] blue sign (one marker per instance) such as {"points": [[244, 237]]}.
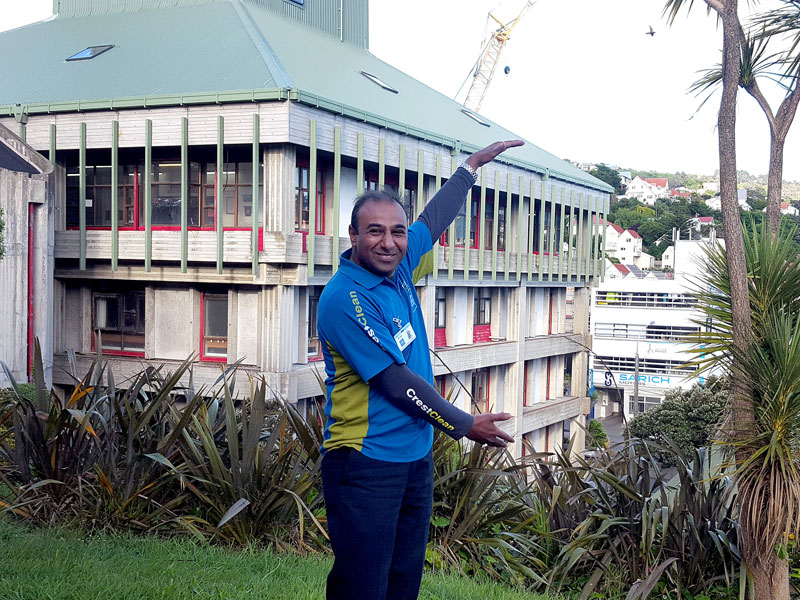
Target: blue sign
{"points": [[609, 379]]}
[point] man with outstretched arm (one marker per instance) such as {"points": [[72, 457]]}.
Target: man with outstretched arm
{"points": [[377, 468]]}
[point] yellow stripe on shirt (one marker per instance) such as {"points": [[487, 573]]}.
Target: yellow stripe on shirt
{"points": [[349, 406]]}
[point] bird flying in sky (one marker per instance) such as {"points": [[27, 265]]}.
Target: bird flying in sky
{"points": [[651, 33]]}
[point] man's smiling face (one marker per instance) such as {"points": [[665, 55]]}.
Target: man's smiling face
{"points": [[382, 237]]}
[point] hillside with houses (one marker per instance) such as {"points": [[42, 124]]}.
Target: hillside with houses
{"points": [[651, 209]]}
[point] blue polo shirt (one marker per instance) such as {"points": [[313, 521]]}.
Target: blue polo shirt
{"points": [[361, 317]]}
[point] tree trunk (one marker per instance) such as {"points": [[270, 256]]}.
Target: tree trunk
{"points": [[762, 568], [774, 183], [734, 244], [771, 582]]}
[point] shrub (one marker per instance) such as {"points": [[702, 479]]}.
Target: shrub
{"points": [[596, 435], [139, 458], [485, 520], [687, 418], [620, 523]]}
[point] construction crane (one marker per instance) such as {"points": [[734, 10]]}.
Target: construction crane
{"points": [[489, 57]]}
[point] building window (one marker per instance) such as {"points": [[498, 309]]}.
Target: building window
{"points": [[501, 227], [440, 319], [90, 52], [236, 178], [646, 299], [480, 391], [119, 317], [214, 322], [477, 227], [98, 195], [441, 308], [439, 385], [392, 184], [482, 315], [667, 333], [626, 365], [482, 312], [237, 193], [165, 197], [314, 347], [525, 371], [645, 403], [301, 192]]}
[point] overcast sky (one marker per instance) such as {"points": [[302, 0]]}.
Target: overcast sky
{"points": [[586, 83]]}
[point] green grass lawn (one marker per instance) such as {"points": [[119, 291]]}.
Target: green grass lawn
{"points": [[61, 564]]}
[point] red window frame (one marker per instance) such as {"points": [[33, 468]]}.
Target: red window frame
{"points": [[111, 352], [475, 228], [137, 207], [440, 332], [481, 330], [392, 180], [439, 385], [524, 384], [302, 162], [488, 407], [309, 356], [203, 355]]}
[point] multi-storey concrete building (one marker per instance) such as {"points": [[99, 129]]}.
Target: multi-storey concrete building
{"points": [[645, 318], [207, 155]]}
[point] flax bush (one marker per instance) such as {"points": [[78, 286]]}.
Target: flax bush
{"points": [[242, 467]]}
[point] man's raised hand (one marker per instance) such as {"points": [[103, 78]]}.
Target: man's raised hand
{"points": [[488, 154], [484, 430]]}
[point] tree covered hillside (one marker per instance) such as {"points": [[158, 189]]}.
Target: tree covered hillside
{"points": [[655, 223]]}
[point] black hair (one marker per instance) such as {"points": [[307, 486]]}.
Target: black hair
{"points": [[384, 195]]}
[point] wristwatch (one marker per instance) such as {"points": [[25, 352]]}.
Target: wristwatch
{"points": [[470, 170]]}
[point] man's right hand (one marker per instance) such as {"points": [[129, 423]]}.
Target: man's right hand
{"points": [[484, 430], [492, 151]]}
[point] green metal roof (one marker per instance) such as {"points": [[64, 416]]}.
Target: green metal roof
{"points": [[236, 51]]}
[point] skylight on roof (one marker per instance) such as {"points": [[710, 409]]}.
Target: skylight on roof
{"points": [[380, 82], [476, 117], [90, 52]]}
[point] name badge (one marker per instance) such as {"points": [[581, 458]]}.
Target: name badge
{"points": [[405, 336]]}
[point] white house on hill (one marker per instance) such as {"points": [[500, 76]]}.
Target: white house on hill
{"points": [[715, 203], [648, 190]]}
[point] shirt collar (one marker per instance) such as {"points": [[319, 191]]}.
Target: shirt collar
{"points": [[357, 273]]}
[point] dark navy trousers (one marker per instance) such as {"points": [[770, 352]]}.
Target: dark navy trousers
{"points": [[378, 517]]}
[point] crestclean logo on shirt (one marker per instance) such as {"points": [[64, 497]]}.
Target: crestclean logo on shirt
{"points": [[411, 393], [362, 319]]}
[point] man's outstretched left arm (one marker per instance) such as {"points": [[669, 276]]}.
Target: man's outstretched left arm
{"points": [[444, 206], [416, 397]]}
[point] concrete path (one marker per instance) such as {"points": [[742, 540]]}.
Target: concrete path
{"points": [[614, 427]]}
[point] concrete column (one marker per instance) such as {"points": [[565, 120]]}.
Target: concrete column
{"points": [[577, 432], [427, 303], [170, 323], [279, 344], [580, 364], [279, 173], [86, 333], [14, 275], [247, 326], [450, 315], [463, 401], [460, 317], [515, 372]]}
